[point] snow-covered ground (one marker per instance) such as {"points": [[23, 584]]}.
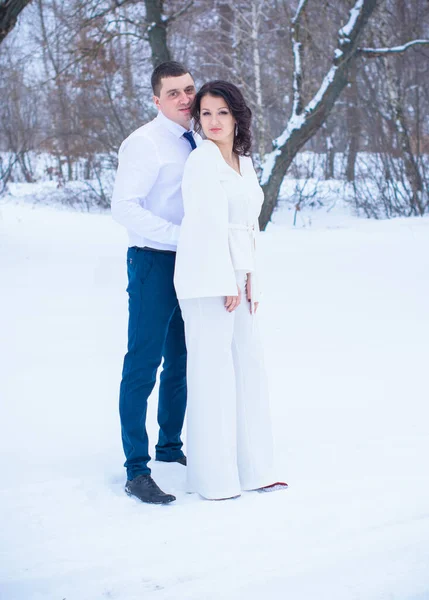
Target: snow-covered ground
{"points": [[346, 331]]}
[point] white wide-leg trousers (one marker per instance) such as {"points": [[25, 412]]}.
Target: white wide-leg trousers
{"points": [[229, 439]]}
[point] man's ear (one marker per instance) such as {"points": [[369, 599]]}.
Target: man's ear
{"points": [[156, 101]]}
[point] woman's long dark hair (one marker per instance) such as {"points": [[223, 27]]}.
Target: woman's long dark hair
{"points": [[239, 110]]}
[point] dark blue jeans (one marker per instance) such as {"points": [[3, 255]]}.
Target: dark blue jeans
{"points": [[155, 331]]}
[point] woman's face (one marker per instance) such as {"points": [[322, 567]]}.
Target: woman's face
{"points": [[217, 121]]}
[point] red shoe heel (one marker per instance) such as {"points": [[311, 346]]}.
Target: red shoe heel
{"points": [[273, 487]]}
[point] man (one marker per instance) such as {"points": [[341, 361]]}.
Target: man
{"points": [[147, 200]]}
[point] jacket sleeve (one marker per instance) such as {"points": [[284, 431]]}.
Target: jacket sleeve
{"points": [[256, 287], [137, 172], [203, 263], [256, 284]]}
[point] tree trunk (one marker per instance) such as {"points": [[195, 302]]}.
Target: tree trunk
{"points": [[24, 168], [9, 12], [157, 31], [226, 14], [398, 117], [260, 116], [296, 140], [62, 126], [330, 155], [353, 124], [411, 168]]}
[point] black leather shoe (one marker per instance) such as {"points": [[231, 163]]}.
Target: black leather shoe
{"points": [[145, 489], [181, 460]]}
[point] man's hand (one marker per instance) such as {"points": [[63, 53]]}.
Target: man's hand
{"points": [[231, 302]]}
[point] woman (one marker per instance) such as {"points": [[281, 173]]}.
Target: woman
{"points": [[229, 442]]}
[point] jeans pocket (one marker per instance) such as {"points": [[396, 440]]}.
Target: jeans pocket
{"points": [[143, 263]]}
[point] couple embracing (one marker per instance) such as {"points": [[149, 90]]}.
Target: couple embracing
{"points": [[191, 209]]}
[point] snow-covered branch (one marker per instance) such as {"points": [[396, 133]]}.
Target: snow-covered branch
{"points": [[299, 11], [375, 52], [345, 32], [306, 120]]}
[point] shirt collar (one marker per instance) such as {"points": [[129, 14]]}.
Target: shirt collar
{"points": [[173, 127]]}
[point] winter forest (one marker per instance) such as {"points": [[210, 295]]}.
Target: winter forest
{"points": [[339, 92]]}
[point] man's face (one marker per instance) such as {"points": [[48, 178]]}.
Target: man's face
{"points": [[175, 98]]}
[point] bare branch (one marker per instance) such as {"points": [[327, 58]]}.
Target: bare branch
{"points": [[375, 52], [244, 84], [179, 13], [107, 11]]}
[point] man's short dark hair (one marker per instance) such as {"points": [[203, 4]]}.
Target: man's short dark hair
{"points": [[170, 68]]}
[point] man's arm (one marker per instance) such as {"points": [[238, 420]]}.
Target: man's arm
{"points": [[137, 172]]}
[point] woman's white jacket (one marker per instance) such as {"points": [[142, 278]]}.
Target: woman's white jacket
{"points": [[204, 266]]}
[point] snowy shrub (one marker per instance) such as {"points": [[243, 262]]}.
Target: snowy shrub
{"points": [[385, 190]]}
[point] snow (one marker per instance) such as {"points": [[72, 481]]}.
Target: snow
{"points": [[317, 98], [268, 165], [346, 336], [298, 10], [297, 74], [354, 15], [295, 122]]}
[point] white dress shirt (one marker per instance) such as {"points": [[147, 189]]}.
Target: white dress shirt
{"points": [[220, 226], [147, 197]]}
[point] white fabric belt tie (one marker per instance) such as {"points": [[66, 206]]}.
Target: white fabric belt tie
{"points": [[248, 228]]}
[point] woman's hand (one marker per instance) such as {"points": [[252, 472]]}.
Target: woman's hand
{"points": [[249, 292], [231, 302]]}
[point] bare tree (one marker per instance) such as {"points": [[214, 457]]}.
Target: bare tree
{"points": [[306, 121], [236, 53], [157, 27], [157, 31], [353, 123], [396, 181], [396, 101]]}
